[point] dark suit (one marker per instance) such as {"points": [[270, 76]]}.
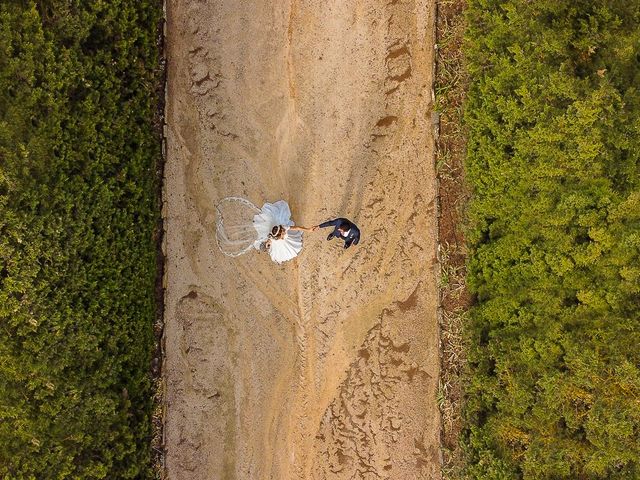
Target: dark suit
{"points": [[353, 235]]}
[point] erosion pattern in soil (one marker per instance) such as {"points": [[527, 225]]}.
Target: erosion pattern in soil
{"points": [[325, 367]]}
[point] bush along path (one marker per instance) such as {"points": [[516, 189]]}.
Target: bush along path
{"points": [[553, 114], [78, 158]]}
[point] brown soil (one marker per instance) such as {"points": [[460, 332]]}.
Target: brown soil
{"points": [[451, 85], [325, 367]]}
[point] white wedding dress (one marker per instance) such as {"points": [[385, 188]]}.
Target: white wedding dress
{"points": [[273, 214]]}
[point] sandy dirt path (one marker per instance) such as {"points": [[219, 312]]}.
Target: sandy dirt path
{"points": [[325, 367]]}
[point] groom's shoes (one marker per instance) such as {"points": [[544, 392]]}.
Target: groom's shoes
{"points": [[330, 236]]}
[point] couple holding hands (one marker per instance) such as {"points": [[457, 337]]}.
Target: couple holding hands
{"points": [[278, 235]]}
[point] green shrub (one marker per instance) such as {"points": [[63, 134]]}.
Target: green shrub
{"points": [[553, 157], [78, 155]]}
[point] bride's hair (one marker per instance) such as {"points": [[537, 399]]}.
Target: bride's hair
{"points": [[276, 231]]}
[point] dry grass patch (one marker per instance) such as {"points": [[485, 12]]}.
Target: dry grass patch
{"points": [[450, 86]]}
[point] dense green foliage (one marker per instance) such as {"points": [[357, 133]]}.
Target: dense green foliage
{"points": [[554, 162], [78, 154]]}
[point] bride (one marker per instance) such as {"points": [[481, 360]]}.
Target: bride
{"points": [[277, 233]]}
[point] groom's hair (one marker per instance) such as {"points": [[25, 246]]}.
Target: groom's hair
{"points": [[344, 226]]}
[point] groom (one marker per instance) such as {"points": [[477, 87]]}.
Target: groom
{"points": [[344, 230]]}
